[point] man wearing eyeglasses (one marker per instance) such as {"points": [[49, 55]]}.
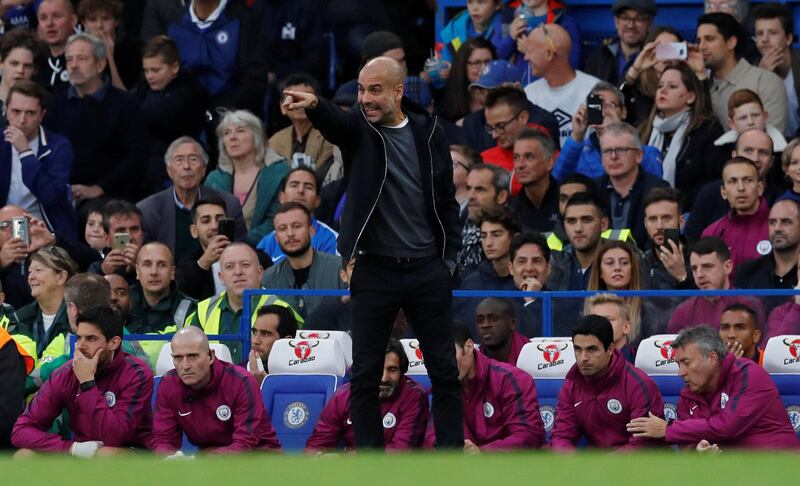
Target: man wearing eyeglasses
{"points": [[625, 184], [633, 20], [507, 113], [560, 89], [581, 152]]}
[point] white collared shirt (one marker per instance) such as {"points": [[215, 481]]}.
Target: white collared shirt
{"points": [[204, 24]]}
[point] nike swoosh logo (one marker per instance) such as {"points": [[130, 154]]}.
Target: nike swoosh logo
{"points": [[578, 403], [691, 411], [349, 422], [184, 414]]}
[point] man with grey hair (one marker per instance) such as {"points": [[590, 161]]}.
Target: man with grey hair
{"points": [[727, 402], [625, 184], [581, 151], [102, 123], [537, 202], [166, 215], [487, 186]]}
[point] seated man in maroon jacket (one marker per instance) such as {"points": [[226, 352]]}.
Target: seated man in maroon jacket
{"points": [[496, 322], [404, 408], [727, 402], [602, 392], [217, 405], [501, 411], [105, 391]]}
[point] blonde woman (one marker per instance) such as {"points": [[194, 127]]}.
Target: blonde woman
{"points": [[616, 267], [249, 170], [45, 319]]}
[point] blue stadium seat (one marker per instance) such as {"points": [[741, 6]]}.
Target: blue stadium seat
{"points": [[782, 362], [294, 402], [656, 357], [547, 360]]}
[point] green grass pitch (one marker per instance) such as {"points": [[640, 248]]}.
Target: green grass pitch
{"points": [[528, 468]]}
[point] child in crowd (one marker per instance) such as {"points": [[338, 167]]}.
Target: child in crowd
{"points": [[172, 102], [482, 18], [746, 111]]}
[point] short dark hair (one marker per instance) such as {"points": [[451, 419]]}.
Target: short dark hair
{"points": [[774, 10], [104, 318], [300, 168], [30, 89], [210, 199], [21, 39], [88, 7], [529, 238], [659, 194], [587, 198], [578, 178], [299, 79], [512, 96], [287, 324], [594, 325], [502, 215], [506, 308], [726, 24], [291, 206], [741, 307], [709, 245], [119, 207], [163, 46], [460, 333], [740, 160], [394, 346]]}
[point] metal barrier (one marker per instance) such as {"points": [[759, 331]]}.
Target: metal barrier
{"points": [[547, 305]]}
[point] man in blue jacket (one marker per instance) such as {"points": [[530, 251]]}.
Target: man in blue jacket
{"points": [[35, 163]]}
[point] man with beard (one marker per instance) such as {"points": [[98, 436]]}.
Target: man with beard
{"points": [[602, 392], [304, 267], [404, 408], [778, 268], [496, 325], [105, 391]]}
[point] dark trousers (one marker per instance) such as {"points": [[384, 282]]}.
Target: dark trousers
{"points": [[380, 286]]}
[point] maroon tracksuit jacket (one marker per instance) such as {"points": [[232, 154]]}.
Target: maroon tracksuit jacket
{"points": [[228, 415], [744, 411], [405, 415], [600, 407]]}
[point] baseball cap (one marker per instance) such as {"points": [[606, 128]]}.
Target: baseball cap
{"points": [[496, 73], [643, 6]]}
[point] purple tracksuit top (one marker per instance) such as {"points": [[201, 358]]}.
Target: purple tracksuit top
{"points": [[116, 411], [226, 416], [744, 411], [405, 415], [501, 411], [600, 407], [518, 341]]}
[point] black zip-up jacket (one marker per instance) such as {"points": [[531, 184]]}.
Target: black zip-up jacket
{"points": [[365, 167]]}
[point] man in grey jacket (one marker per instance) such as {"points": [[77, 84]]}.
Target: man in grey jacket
{"points": [[303, 267]]}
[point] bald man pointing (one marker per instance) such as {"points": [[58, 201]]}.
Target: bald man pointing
{"points": [[217, 405], [402, 230]]}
